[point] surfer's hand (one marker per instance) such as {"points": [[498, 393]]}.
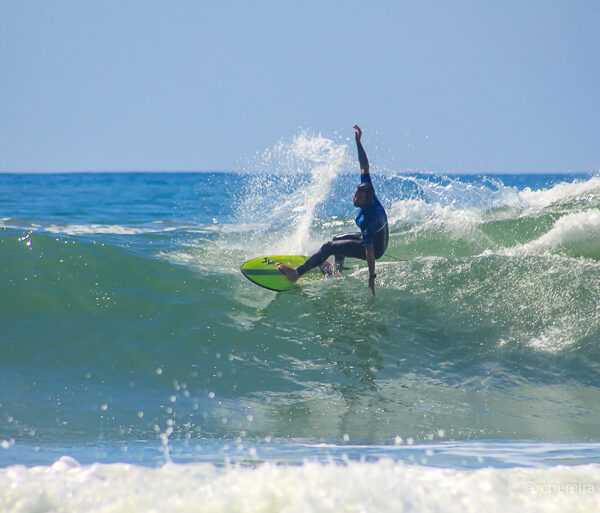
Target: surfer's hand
{"points": [[372, 284], [358, 133]]}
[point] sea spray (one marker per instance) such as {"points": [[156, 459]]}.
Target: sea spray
{"points": [[284, 188], [326, 159]]}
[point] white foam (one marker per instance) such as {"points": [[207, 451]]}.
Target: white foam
{"points": [[420, 212], [450, 204], [65, 463], [552, 340], [84, 229], [578, 234], [454, 201], [91, 228], [560, 192], [379, 487]]}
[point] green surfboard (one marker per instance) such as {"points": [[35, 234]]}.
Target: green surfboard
{"points": [[263, 271]]}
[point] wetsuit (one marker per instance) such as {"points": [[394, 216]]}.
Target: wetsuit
{"points": [[372, 221]]}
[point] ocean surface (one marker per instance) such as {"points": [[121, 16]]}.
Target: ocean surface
{"points": [[140, 371]]}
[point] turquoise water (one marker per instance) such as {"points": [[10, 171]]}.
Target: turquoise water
{"points": [[128, 335]]}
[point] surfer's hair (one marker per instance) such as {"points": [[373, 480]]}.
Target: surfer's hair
{"points": [[368, 189]]}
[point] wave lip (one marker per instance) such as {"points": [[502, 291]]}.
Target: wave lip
{"points": [[576, 234], [563, 191]]}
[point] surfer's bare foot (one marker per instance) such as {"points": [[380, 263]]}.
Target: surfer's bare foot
{"points": [[290, 272]]}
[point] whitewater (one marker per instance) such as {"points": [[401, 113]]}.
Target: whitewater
{"points": [[142, 372]]}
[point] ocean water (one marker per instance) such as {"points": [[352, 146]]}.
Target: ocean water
{"points": [[140, 371]]}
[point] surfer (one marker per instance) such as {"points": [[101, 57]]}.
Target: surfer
{"points": [[369, 244]]}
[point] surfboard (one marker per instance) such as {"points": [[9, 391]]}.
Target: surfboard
{"points": [[263, 271]]}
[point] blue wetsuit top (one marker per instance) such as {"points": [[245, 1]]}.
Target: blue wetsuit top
{"points": [[372, 218]]}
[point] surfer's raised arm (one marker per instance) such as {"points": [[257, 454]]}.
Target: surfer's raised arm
{"points": [[362, 156]]}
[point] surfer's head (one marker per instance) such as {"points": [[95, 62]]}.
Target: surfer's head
{"points": [[363, 195]]}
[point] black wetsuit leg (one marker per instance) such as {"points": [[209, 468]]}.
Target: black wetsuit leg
{"points": [[339, 259], [342, 246], [349, 245]]}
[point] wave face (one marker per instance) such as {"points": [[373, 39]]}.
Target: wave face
{"points": [[124, 315]]}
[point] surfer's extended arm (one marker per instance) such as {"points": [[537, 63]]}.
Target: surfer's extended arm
{"points": [[362, 156]]}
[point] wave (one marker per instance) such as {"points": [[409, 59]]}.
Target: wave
{"points": [[451, 343], [487, 327]]}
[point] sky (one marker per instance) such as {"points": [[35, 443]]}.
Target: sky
{"points": [[437, 86]]}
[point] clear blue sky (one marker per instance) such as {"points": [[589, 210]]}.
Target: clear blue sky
{"points": [[448, 86]]}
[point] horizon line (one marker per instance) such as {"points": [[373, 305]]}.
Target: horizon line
{"points": [[154, 171]]}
